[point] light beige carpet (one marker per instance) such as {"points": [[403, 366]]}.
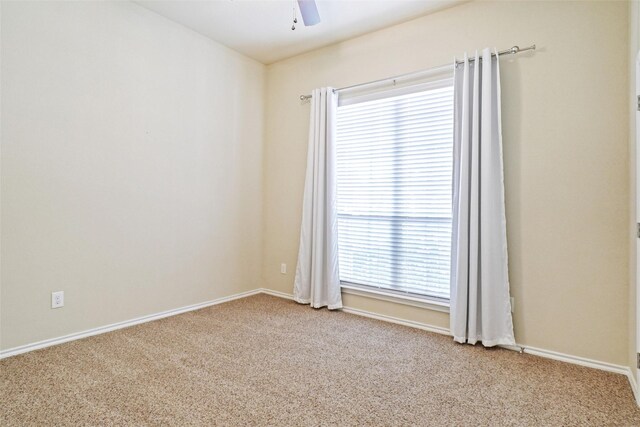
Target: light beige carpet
{"points": [[268, 361]]}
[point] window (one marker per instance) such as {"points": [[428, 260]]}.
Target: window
{"points": [[394, 173]]}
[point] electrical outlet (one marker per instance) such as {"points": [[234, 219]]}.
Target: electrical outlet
{"points": [[57, 299], [513, 305], [283, 268]]}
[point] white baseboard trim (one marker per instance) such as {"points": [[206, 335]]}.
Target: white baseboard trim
{"points": [[276, 293], [634, 385], [114, 326], [396, 320], [577, 360]]}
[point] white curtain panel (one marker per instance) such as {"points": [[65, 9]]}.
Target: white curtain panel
{"points": [[317, 279], [480, 302]]}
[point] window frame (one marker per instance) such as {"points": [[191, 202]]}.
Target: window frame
{"points": [[406, 298]]}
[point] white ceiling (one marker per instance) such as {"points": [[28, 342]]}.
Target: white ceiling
{"points": [[262, 29]]}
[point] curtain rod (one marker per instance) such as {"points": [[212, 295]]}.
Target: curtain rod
{"points": [[511, 51]]}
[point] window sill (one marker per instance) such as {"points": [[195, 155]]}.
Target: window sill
{"points": [[421, 302]]}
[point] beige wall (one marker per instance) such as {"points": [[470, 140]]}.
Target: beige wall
{"points": [[131, 167], [565, 116], [634, 44]]}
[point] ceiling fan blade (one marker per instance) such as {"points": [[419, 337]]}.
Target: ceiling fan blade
{"points": [[309, 12]]}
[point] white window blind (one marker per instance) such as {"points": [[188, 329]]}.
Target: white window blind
{"points": [[394, 167]]}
